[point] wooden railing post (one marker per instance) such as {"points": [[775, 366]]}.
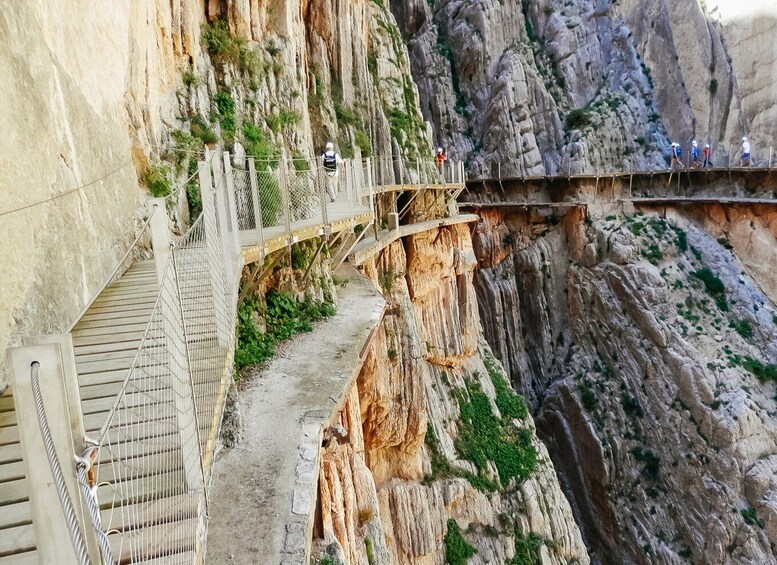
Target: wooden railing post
{"points": [[258, 221], [222, 218], [232, 206], [62, 409], [160, 236], [213, 253]]}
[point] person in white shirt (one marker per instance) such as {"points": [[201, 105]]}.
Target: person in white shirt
{"points": [[745, 161], [331, 162]]}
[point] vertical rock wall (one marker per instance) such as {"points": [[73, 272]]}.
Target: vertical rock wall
{"points": [[93, 98], [388, 494], [546, 86], [653, 392]]}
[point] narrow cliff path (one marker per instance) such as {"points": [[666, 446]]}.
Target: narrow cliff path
{"points": [[263, 494]]}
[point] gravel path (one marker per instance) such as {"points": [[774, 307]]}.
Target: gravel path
{"points": [[263, 492]]}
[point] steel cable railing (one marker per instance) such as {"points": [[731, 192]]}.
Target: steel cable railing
{"points": [[73, 527], [146, 476]]}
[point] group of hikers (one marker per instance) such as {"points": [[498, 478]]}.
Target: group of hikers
{"points": [[702, 158], [331, 160]]}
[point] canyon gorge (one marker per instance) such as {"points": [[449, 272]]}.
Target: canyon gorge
{"points": [[593, 383]]}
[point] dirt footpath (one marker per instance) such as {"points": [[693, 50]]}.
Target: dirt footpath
{"points": [[263, 491]]}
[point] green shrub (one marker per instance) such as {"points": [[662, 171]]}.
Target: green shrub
{"points": [[225, 108], [588, 397], [157, 180], [682, 238], [714, 287], [190, 78], [510, 404], [457, 550], [483, 437], [370, 550], [201, 130], [527, 549], [751, 517], [284, 317], [345, 117], [759, 369], [276, 122], [653, 254], [363, 142], [742, 327], [652, 463], [260, 148], [713, 86], [631, 406], [225, 48], [578, 119], [440, 468]]}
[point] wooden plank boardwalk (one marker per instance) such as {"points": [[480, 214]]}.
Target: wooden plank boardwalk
{"points": [[151, 518]]}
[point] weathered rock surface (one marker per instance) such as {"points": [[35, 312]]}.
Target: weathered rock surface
{"points": [[499, 80], [95, 109], [384, 494], [644, 380]]}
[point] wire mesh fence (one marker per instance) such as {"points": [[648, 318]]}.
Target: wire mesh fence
{"points": [[155, 450], [150, 483], [154, 453]]}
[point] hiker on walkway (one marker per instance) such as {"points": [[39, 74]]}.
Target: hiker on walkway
{"points": [[441, 157], [331, 162], [745, 160], [695, 160], [677, 154], [705, 153]]}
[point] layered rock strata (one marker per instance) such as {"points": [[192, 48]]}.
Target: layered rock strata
{"points": [[648, 353], [389, 493]]}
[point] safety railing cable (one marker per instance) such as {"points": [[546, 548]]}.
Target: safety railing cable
{"points": [[85, 471], [73, 527]]}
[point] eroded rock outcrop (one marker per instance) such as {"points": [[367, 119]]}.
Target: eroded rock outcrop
{"points": [[649, 356], [148, 87], [537, 87], [389, 495]]}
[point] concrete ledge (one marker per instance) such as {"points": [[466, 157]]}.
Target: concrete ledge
{"points": [[367, 249], [264, 491]]}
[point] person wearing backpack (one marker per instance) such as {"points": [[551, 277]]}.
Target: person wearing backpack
{"points": [[695, 160], [745, 160], [677, 154], [331, 162]]}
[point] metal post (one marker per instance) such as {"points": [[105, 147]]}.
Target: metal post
{"points": [[213, 252], [258, 221], [232, 205], [222, 219], [283, 181], [160, 236], [52, 533]]}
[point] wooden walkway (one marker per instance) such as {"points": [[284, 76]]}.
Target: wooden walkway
{"points": [[107, 341]]}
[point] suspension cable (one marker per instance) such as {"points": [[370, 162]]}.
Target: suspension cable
{"points": [[73, 527]]}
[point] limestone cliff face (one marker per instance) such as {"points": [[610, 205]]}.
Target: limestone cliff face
{"points": [[500, 80], [648, 353], [93, 99], [388, 494]]}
